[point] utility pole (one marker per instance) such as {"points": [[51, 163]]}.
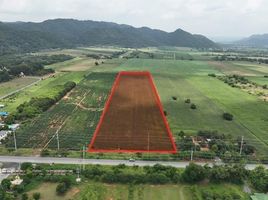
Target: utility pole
{"points": [[83, 157], [192, 154], [15, 141], [241, 145], [58, 142]]}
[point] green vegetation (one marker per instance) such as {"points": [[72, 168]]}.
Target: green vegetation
{"points": [[78, 112], [16, 84], [15, 65], [38, 105], [182, 84], [48, 87], [100, 182], [29, 37]]}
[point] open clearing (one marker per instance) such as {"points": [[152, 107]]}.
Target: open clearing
{"points": [[16, 84], [76, 64], [93, 190], [133, 119]]}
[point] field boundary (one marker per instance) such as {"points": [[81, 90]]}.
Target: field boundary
{"points": [[107, 105]]}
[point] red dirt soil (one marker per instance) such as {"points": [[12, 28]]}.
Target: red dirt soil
{"points": [[133, 119]]}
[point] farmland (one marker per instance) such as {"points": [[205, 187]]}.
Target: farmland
{"points": [[139, 192], [133, 120], [75, 117], [15, 84], [45, 88]]}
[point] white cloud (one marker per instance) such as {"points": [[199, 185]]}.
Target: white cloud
{"points": [[218, 17]]}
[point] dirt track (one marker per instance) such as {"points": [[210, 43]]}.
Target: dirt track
{"points": [[133, 120]]}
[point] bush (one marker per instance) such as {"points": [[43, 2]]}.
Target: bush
{"points": [[228, 116], [193, 173], [36, 196], [174, 98], [26, 165], [187, 101], [24, 196], [212, 75], [193, 106], [6, 183], [61, 189]]}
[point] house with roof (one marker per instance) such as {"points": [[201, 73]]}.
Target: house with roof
{"points": [[3, 114]]}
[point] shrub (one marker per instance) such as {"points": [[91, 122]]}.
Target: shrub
{"points": [[212, 75], [174, 98], [193, 106], [228, 116], [61, 188], [36, 196], [193, 173], [6, 183], [26, 165], [187, 101], [24, 196]]}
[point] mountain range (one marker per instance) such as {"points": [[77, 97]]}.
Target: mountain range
{"points": [[254, 41], [68, 33]]}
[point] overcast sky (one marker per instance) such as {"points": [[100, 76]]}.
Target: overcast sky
{"points": [[208, 17]]}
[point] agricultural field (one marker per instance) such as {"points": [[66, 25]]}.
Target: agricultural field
{"points": [[16, 84], [47, 87], [100, 191], [133, 119], [75, 117]]}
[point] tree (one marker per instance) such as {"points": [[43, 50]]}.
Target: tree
{"points": [[193, 106], [24, 196], [6, 183], [61, 188], [187, 101], [36, 196], [259, 179], [193, 173], [227, 116], [26, 165]]}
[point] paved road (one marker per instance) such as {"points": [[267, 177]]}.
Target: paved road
{"points": [[48, 160], [18, 90]]}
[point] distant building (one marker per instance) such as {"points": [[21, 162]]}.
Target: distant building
{"points": [[17, 181], [22, 74], [13, 127], [3, 114], [4, 134]]}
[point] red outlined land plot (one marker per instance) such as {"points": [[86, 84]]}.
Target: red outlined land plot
{"points": [[133, 119]]}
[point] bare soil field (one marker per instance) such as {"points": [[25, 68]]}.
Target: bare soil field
{"points": [[133, 119]]}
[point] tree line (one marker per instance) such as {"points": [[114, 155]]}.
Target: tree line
{"points": [[157, 174], [13, 65], [37, 105]]}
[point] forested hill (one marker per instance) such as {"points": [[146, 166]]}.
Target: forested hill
{"points": [[65, 33]]}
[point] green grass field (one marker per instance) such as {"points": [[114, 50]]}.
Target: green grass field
{"points": [[45, 88], [101, 191], [16, 84]]}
